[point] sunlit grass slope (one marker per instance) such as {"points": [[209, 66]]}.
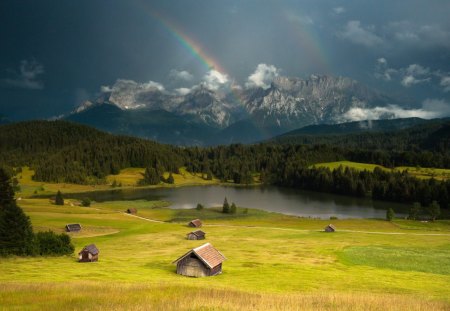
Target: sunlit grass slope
{"points": [[419, 172], [127, 178], [274, 262]]}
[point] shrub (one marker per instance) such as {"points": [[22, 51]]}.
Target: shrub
{"points": [[50, 243], [390, 214], [86, 202]]}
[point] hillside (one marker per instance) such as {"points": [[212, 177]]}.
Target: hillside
{"points": [[64, 151], [396, 135]]}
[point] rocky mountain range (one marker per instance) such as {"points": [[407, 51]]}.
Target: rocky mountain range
{"points": [[206, 116]]}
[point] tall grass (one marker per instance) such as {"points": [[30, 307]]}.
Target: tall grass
{"points": [[125, 296]]}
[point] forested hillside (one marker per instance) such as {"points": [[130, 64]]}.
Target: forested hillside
{"points": [[396, 135], [63, 151], [60, 151]]}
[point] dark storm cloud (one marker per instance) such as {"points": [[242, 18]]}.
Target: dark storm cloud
{"points": [[90, 43], [26, 77]]}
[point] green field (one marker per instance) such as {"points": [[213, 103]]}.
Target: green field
{"points": [[418, 172], [127, 178], [274, 262]]}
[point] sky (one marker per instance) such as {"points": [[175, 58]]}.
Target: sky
{"points": [[56, 54]]}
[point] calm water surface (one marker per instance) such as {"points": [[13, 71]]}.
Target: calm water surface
{"points": [[274, 199]]}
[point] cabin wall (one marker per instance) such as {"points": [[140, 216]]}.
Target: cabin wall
{"points": [[192, 236], [192, 267], [216, 270], [87, 257]]}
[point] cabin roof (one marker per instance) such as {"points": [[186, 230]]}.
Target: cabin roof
{"points": [[73, 227], [207, 254], [198, 233], [91, 248], [331, 226], [196, 222]]}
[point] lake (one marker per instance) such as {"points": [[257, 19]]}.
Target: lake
{"points": [[268, 198]]}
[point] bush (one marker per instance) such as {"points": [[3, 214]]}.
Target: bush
{"points": [[390, 214], [233, 208], [86, 202], [225, 206], [199, 207], [50, 243], [170, 179]]}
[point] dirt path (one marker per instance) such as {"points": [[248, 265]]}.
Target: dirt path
{"points": [[299, 230]]}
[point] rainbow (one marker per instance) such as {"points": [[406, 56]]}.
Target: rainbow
{"points": [[308, 43], [192, 46]]}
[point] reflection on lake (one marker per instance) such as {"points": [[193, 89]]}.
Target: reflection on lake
{"points": [[270, 198]]}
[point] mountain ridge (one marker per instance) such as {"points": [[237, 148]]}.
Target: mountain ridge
{"points": [[205, 116]]}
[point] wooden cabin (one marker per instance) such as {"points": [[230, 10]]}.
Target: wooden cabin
{"points": [[196, 235], [330, 228], [88, 254], [202, 261], [73, 227], [132, 211], [196, 223]]}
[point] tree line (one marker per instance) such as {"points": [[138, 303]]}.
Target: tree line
{"points": [[16, 233], [65, 152]]}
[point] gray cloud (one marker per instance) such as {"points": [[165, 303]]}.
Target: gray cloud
{"points": [[339, 10], [382, 70], [356, 33], [431, 108], [27, 77], [181, 75], [411, 75], [215, 80], [414, 34], [298, 18], [445, 83], [262, 76]]}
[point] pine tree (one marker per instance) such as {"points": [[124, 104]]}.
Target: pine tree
{"points": [[59, 200], [16, 233], [434, 210], [390, 214], [233, 208], [225, 206], [199, 207], [151, 176], [414, 211]]}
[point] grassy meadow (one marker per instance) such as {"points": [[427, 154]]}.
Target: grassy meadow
{"points": [[274, 262], [127, 178], [418, 172]]}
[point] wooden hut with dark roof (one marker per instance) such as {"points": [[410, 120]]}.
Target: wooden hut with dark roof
{"points": [[73, 227], [132, 211], [196, 223], [196, 235], [330, 228], [88, 254], [202, 261]]}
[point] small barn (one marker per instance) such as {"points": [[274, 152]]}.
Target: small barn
{"points": [[202, 261], [196, 223], [89, 253], [330, 228], [73, 227], [196, 235], [132, 211]]}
